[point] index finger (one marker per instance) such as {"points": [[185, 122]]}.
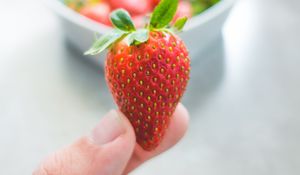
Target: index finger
{"points": [[175, 132]]}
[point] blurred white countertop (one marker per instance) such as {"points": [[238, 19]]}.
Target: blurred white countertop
{"points": [[243, 98]]}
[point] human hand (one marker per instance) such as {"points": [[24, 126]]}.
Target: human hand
{"points": [[111, 148]]}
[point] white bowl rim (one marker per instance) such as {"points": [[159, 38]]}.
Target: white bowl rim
{"points": [[85, 22]]}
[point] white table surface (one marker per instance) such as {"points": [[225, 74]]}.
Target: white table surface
{"points": [[244, 95]]}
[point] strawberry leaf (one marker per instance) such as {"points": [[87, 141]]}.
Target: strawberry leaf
{"points": [[104, 42], [137, 37], [179, 24], [122, 20], [163, 13]]}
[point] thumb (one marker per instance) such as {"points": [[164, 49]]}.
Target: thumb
{"points": [[105, 151]]}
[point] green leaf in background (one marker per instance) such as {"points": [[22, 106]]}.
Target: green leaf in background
{"points": [[137, 37], [104, 42], [179, 24], [200, 6], [75, 4], [163, 13], [122, 20]]}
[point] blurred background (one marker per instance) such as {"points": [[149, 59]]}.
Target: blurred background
{"points": [[243, 97]]}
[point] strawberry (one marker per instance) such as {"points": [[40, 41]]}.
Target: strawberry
{"points": [[147, 82], [154, 2], [147, 70], [98, 12], [134, 7]]}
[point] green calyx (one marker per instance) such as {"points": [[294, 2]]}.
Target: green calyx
{"points": [[160, 19]]}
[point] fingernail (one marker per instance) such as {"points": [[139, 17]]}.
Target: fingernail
{"points": [[110, 127]]}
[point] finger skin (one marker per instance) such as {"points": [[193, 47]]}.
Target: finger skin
{"points": [[85, 157], [175, 132]]}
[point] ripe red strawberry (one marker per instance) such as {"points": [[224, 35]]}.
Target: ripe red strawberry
{"points": [[99, 12], [133, 6], [147, 81], [154, 2], [147, 71]]}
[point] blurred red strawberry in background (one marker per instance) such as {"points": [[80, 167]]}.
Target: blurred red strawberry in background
{"points": [[134, 7], [99, 12], [184, 10], [139, 20], [154, 2]]}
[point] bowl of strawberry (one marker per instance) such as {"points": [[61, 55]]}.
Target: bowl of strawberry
{"points": [[83, 20]]}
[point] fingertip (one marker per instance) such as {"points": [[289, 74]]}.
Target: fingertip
{"points": [[117, 153], [129, 135], [177, 128], [181, 108], [181, 115], [127, 124], [112, 126]]}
